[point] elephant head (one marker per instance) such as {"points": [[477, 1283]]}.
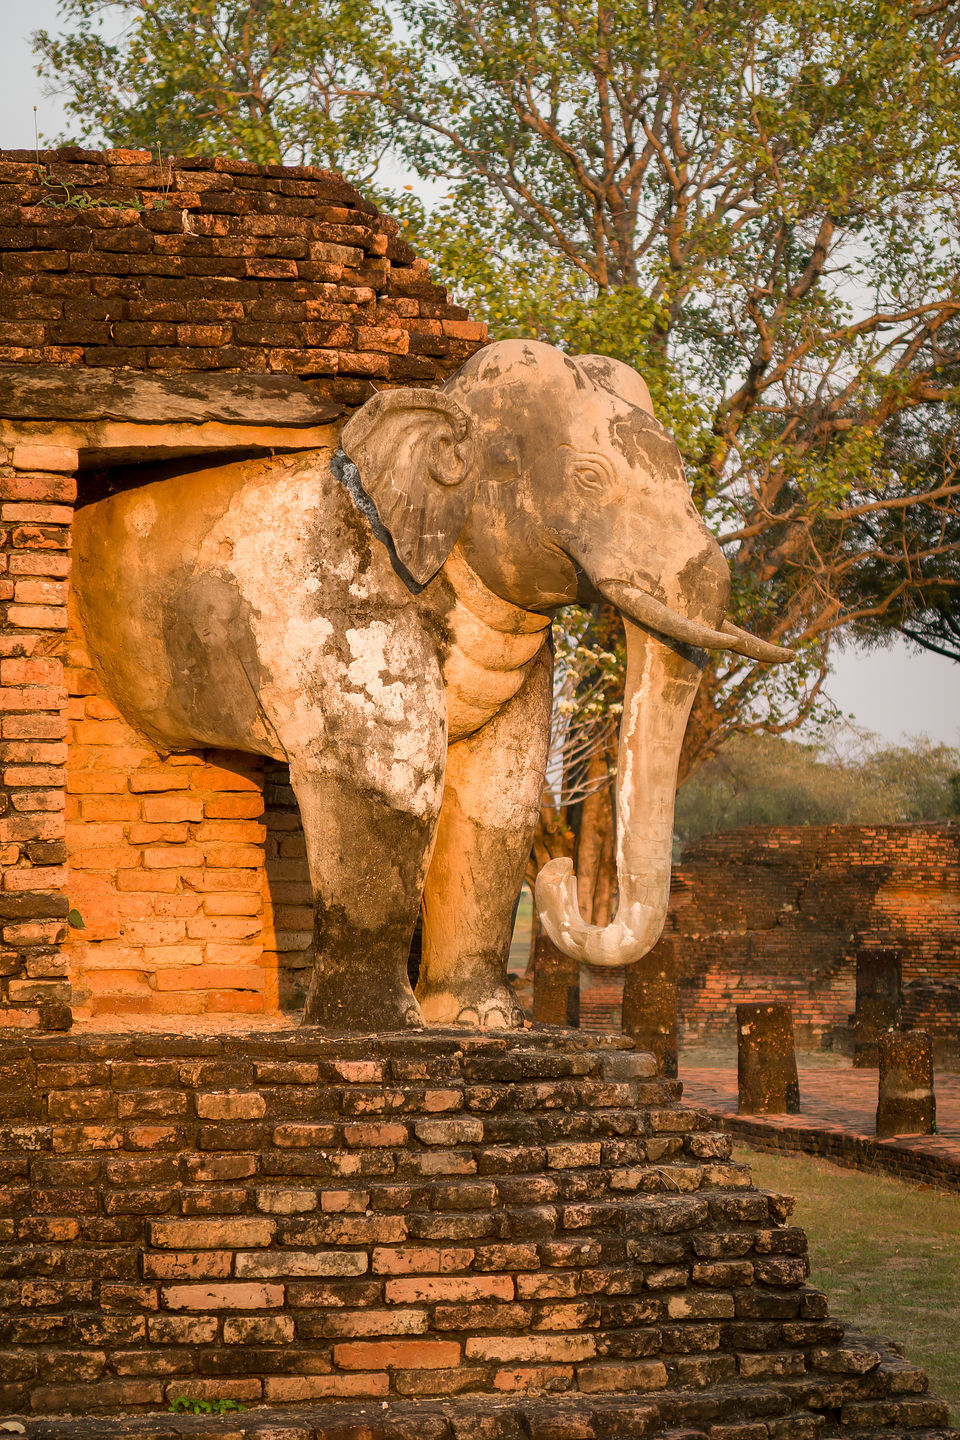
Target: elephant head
{"points": [[560, 485]]}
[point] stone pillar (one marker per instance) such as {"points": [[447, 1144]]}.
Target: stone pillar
{"points": [[556, 985], [879, 1001], [37, 490], [766, 1060], [650, 1006], [906, 1104]]}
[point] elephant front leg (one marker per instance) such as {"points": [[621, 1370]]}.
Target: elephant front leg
{"points": [[492, 793], [367, 864]]}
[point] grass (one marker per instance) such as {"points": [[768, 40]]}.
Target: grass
{"points": [[886, 1253]]}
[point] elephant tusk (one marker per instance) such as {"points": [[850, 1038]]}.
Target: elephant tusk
{"points": [[642, 608], [754, 648]]}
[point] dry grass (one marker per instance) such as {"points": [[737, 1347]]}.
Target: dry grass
{"points": [[887, 1253]]}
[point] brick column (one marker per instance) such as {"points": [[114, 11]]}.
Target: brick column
{"points": [[37, 490]]}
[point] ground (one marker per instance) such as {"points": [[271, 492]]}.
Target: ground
{"points": [[892, 1267]]}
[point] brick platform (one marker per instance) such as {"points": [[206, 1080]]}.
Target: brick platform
{"points": [[529, 1222]]}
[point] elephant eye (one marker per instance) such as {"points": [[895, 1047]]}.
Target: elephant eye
{"points": [[590, 476]]}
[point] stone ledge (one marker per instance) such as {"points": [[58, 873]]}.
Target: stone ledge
{"points": [[921, 1158]]}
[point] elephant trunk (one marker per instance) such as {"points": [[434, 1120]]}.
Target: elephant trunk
{"points": [[661, 683]]}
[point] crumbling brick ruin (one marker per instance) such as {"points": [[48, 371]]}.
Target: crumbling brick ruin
{"points": [[195, 308], [778, 913]]}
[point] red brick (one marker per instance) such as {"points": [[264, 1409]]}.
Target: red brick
{"points": [[102, 1395], [158, 781], [40, 563], [37, 514], [376, 1322], [425, 1260], [38, 877], [231, 1106], [325, 1387], [189, 1265], [177, 807], [539, 1378], [368, 1133], [613, 1376], [210, 1234], [216, 777], [37, 617], [531, 1347], [240, 1296], [41, 592], [397, 1354], [171, 857], [32, 672], [35, 456], [234, 806], [32, 698], [221, 1388], [181, 1330], [430, 1289]]}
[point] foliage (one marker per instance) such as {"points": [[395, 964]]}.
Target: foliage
{"points": [[767, 780], [924, 542], [264, 80], [184, 1406], [757, 205]]}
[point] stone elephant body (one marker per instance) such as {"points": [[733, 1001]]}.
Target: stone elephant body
{"points": [[310, 648], [383, 626]]}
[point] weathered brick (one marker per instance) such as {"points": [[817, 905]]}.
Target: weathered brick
{"points": [[510, 1348], [210, 1234], [231, 1106], [428, 1289], [396, 1354], [326, 1387], [240, 1296], [277, 1263]]}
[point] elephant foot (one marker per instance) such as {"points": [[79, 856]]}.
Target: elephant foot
{"points": [[333, 1008], [495, 1011]]}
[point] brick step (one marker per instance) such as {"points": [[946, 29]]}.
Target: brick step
{"points": [[715, 1412], [476, 1225]]}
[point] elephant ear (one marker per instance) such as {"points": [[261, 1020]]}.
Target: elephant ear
{"points": [[414, 453]]}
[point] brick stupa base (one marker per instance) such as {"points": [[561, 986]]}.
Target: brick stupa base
{"points": [[440, 1235]]}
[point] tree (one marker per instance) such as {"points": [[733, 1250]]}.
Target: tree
{"points": [[766, 780], [755, 203], [270, 81]]}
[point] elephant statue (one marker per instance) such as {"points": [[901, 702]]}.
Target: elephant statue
{"points": [[379, 616]]}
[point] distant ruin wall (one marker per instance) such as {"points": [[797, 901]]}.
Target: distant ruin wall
{"points": [[777, 914]]}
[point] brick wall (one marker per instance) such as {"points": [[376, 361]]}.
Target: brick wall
{"points": [[239, 267], [289, 1218], [768, 913], [189, 873], [192, 888], [36, 495]]}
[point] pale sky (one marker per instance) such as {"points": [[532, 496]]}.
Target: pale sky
{"points": [[897, 692]]}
